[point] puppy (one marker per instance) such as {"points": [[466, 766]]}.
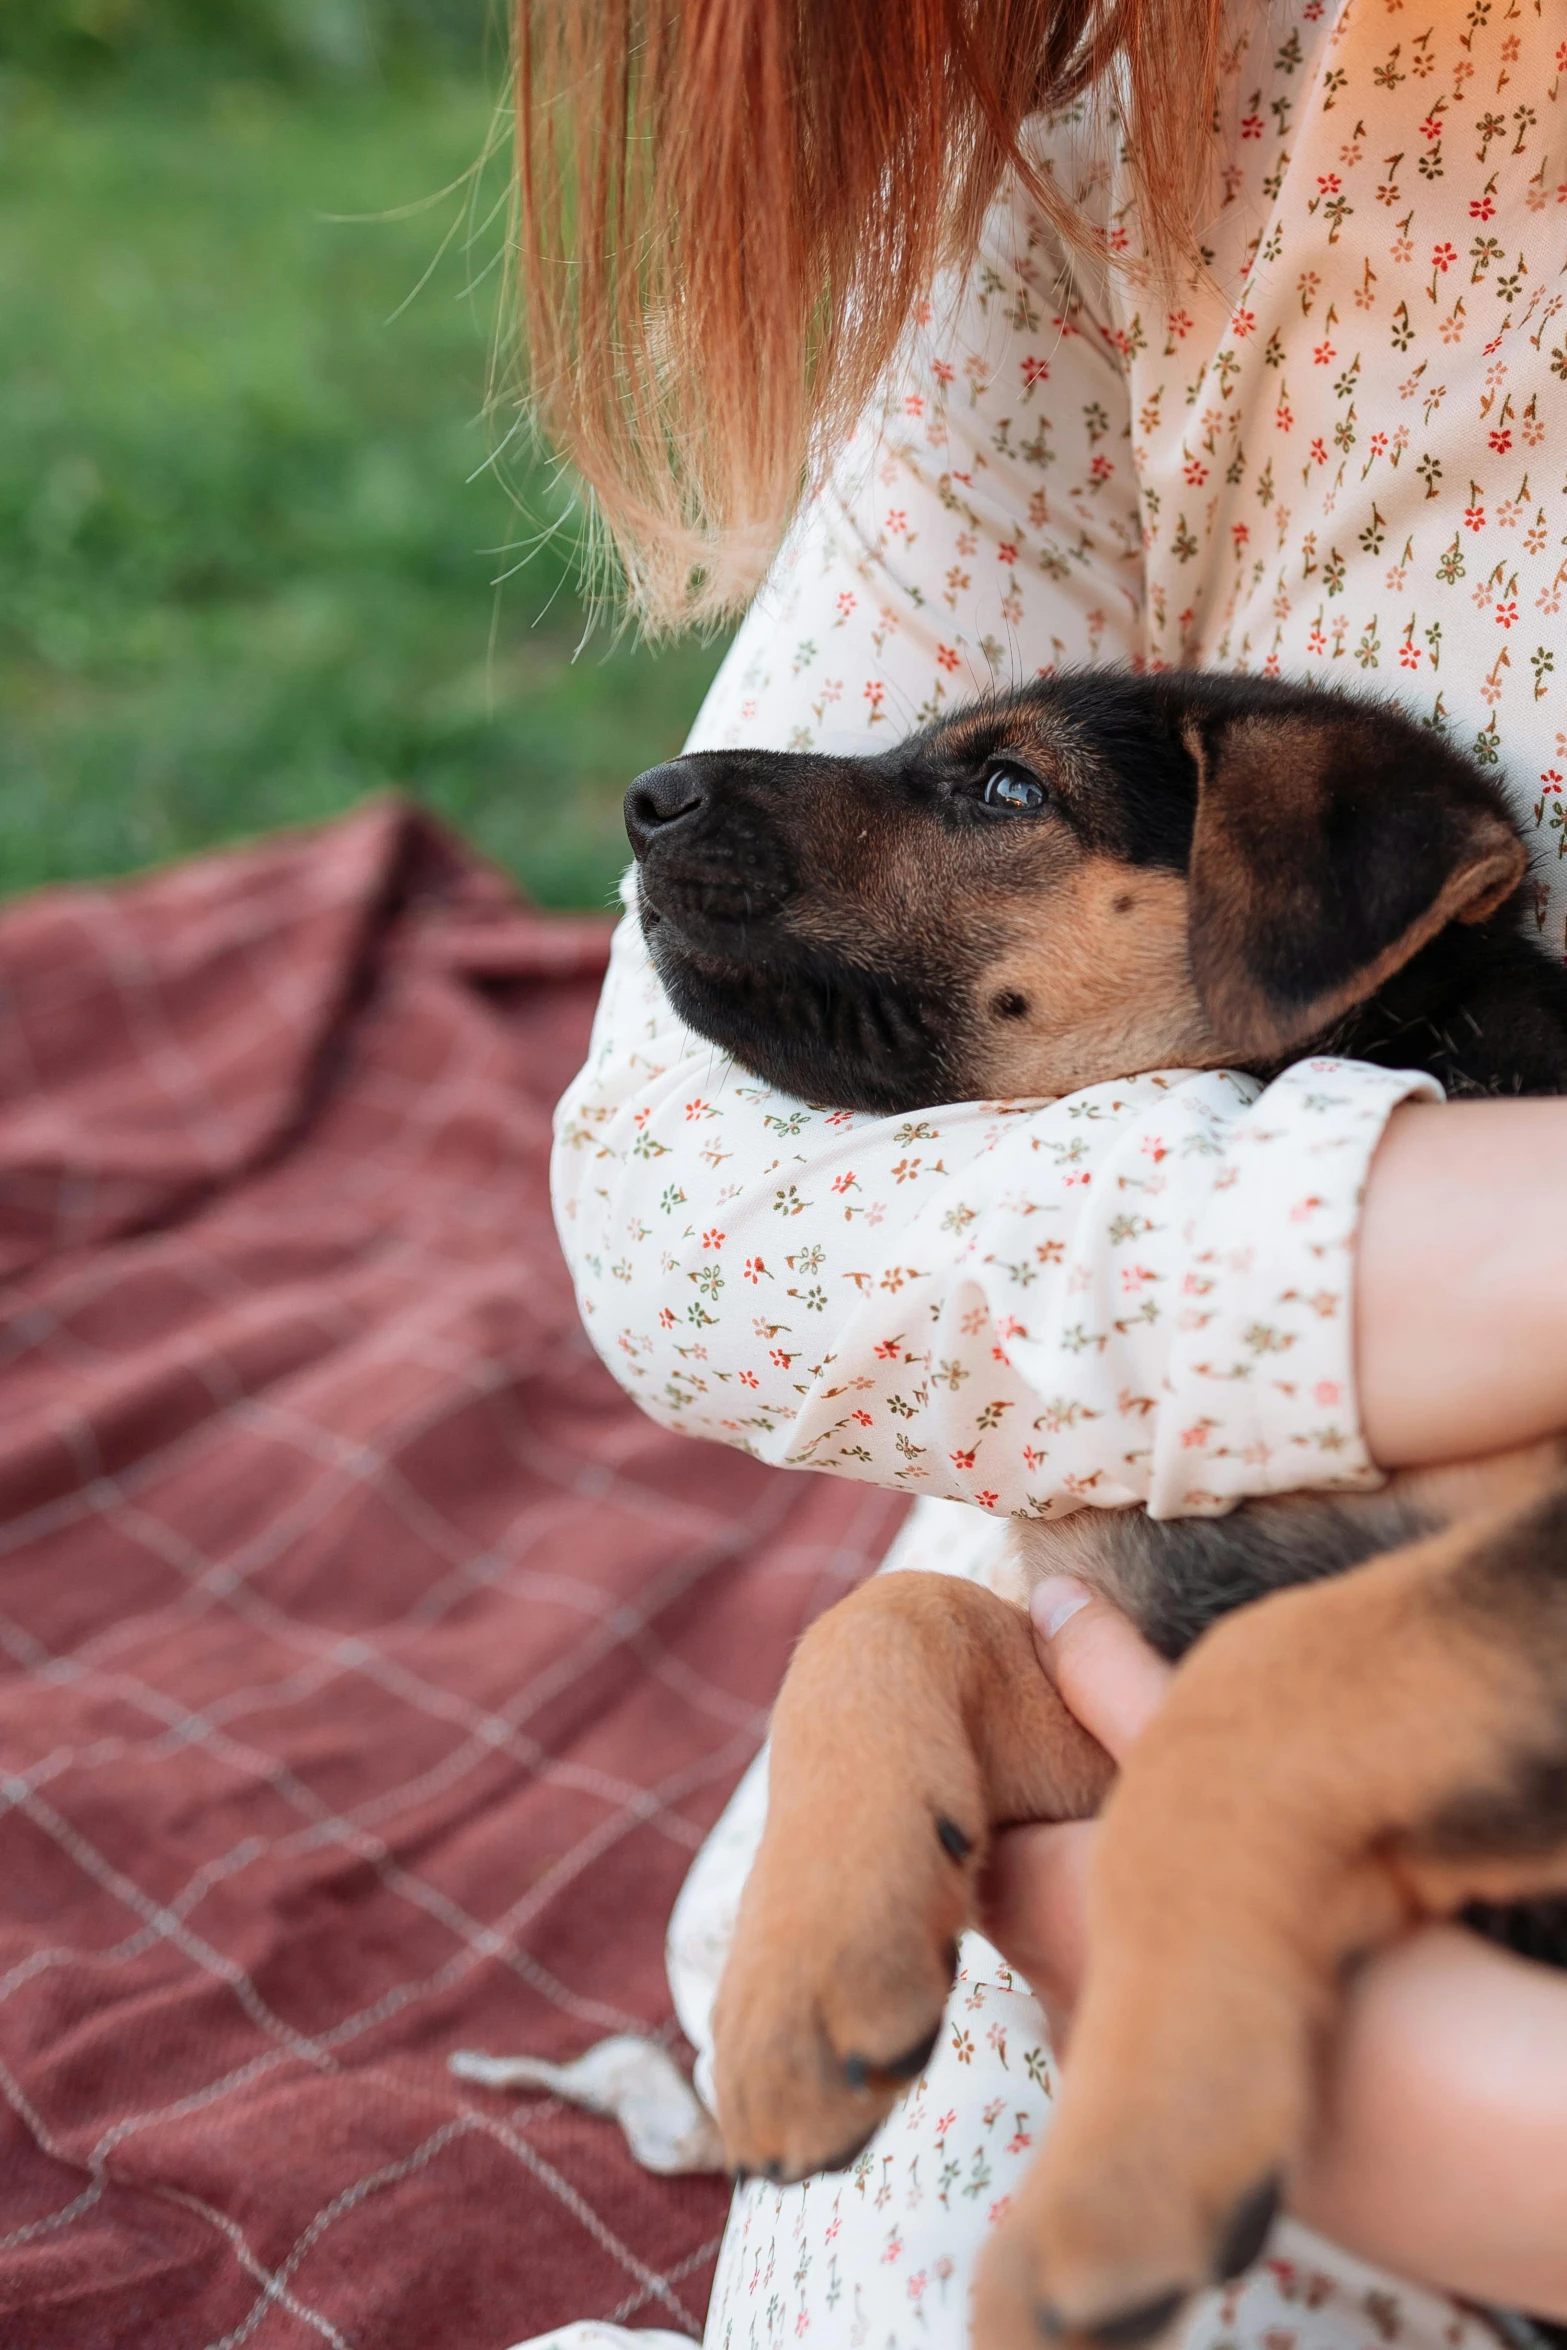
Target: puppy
{"points": [[1096, 876]]}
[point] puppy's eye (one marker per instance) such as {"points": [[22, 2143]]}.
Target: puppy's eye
{"points": [[1011, 790]]}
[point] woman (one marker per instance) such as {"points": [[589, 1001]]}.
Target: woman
{"points": [[1254, 364]]}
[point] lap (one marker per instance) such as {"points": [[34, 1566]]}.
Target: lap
{"points": [[881, 2255]]}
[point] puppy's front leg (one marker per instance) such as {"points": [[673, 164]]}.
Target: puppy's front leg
{"points": [[913, 1721], [1332, 1764]]}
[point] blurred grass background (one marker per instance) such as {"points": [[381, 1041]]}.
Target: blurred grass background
{"points": [[248, 531]]}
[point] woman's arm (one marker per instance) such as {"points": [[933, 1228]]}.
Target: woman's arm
{"points": [[1461, 1294], [1441, 2149], [1136, 1295]]}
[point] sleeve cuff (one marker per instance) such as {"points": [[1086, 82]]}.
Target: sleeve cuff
{"points": [[1260, 1378]]}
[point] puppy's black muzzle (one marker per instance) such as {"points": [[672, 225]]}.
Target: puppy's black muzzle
{"points": [[718, 838], [712, 856]]}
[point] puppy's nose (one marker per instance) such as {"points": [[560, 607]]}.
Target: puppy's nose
{"points": [[662, 797]]}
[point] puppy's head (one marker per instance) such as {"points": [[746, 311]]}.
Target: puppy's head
{"points": [[1095, 876]]}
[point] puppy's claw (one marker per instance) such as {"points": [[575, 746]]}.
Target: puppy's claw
{"points": [[1144, 2322], [849, 2154], [865, 2072], [913, 2061], [1250, 2225], [953, 1839]]}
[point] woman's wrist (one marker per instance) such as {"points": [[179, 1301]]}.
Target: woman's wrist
{"points": [[1461, 1286]]}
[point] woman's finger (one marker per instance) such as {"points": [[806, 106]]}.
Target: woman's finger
{"points": [[1105, 1670]]}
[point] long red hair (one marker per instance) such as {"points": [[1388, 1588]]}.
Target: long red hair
{"points": [[730, 208]]}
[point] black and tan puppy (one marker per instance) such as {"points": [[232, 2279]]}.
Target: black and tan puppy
{"points": [[1097, 876]]}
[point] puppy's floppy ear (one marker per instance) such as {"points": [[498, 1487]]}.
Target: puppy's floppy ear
{"points": [[1327, 850]]}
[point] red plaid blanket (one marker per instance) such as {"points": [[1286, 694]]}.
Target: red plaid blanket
{"points": [[369, 1668]]}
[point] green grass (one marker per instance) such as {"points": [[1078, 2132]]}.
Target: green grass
{"points": [[247, 532]]}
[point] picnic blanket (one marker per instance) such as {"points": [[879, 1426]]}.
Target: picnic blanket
{"points": [[370, 1669]]}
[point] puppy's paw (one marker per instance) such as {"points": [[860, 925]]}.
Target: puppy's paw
{"points": [[1098, 2268], [913, 1716], [1185, 2099], [832, 2000]]}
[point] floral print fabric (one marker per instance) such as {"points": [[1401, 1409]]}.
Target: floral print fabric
{"points": [[1138, 1294], [1336, 453]]}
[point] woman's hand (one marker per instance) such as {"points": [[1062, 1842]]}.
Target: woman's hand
{"points": [[1034, 1893], [1441, 2146]]}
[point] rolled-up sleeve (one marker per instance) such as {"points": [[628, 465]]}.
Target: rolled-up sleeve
{"points": [[1139, 1294]]}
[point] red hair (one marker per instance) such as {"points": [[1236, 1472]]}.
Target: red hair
{"points": [[729, 209]]}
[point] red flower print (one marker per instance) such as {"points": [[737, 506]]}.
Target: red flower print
{"points": [[1501, 441], [754, 1268], [749, 1379], [1474, 517], [888, 1349], [1319, 452], [1323, 355], [712, 1240], [946, 658], [987, 1501], [1251, 126], [1507, 613], [1409, 656], [1443, 257], [1244, 323], [1196, 472], [963, 1460], [1006, 552], [1481, 208], [897, 520], [1035, 371]]}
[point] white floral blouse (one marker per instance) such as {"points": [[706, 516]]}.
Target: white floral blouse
{"points": [[1339, 454]]}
